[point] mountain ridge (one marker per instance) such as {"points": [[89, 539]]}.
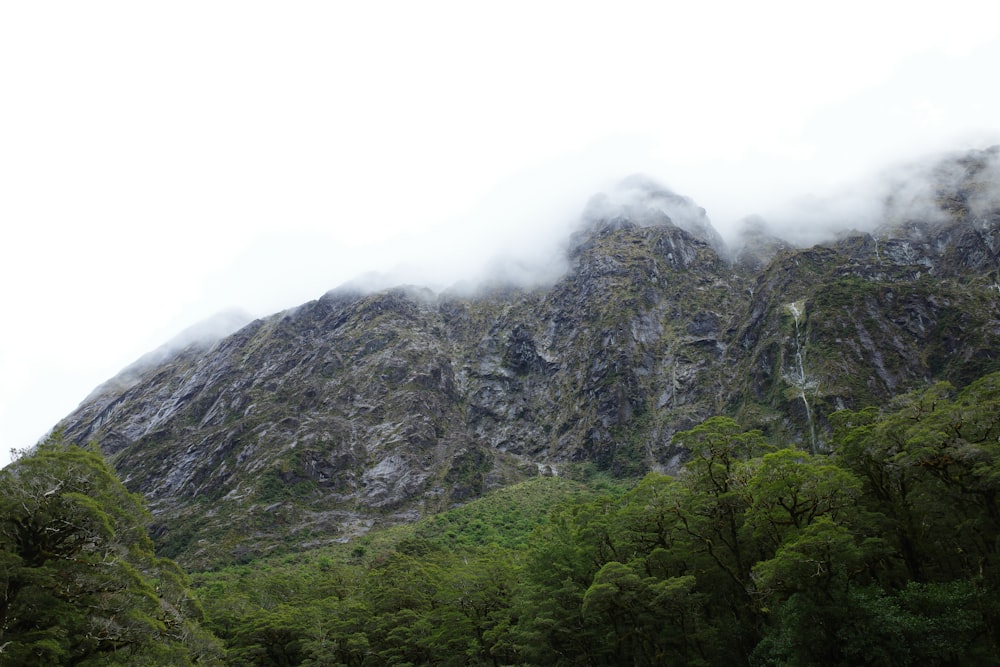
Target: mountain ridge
{"points": [[362, 409]]}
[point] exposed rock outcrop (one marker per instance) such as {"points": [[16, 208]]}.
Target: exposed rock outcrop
{"points": [[357, 409]]}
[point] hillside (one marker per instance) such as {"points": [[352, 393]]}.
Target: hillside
{"points": [[359, 409]]}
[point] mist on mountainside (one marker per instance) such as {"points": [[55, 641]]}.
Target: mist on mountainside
{"points": [[916, 188], [904, 190], [200, 335], [519, 235]]}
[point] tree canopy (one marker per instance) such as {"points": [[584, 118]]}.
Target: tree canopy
{"points": [[79, 581], [882, 551]]}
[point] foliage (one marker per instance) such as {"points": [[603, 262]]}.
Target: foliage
{"points": [[79, 582], [882, 553]]}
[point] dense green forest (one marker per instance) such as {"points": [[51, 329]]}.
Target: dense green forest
{"points": [[882, 551], [79, 581]]}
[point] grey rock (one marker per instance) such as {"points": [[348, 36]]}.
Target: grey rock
{"points": [[363, 409]]}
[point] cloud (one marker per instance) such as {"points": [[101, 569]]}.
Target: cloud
{"points": [[163, 164], [644, 201], [962, 183]]}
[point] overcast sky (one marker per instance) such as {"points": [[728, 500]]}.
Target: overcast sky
{"points": [[160, 162]]}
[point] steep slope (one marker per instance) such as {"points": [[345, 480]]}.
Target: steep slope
{"points": [[357, 409], [869, 315]]}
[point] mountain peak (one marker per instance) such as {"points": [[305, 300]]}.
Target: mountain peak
{"points": [[641, 200], [368, 407]]}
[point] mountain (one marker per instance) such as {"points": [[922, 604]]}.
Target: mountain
{"points": [[363, 409]]}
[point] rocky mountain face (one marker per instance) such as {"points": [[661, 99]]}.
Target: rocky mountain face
{"points": [[361, 409]]}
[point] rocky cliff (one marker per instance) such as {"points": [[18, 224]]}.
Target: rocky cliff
{"points": [[360, 409]]}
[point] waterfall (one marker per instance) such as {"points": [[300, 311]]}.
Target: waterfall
{"points": [[799, 379]]}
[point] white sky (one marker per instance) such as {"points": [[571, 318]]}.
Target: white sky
{"points": [[160, 162]]}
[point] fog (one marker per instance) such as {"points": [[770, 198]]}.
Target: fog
{"points": [[161, 165]]}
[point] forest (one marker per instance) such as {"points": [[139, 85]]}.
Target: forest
{"points": [[881, 549]]}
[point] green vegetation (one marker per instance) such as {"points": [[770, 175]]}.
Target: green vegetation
{"points": [[884, 552], [79, 582]]}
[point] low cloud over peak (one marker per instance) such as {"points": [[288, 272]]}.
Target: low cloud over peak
{"points": [[646, 202]]}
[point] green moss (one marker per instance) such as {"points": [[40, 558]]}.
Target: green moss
{"points": [[844, 292]]}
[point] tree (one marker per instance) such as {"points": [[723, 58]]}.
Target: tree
{"points": [[789, 489], [79, 582], [712, 513], [808, 581], [931, 465]]}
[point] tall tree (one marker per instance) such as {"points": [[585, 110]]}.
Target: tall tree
{"points": [[79, 582]]}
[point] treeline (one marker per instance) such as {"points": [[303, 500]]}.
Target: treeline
{"points": [[883, 552]]}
